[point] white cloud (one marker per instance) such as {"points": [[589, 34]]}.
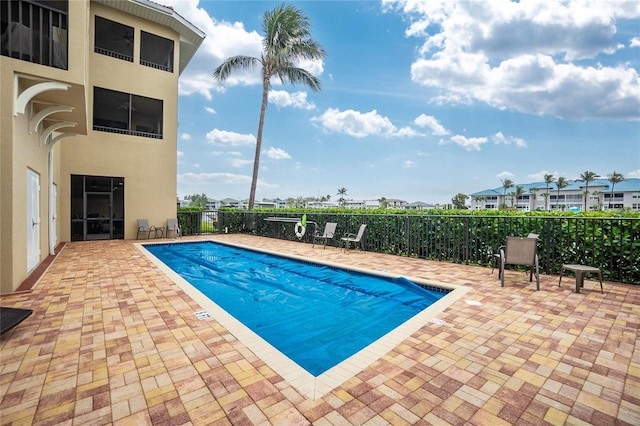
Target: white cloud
{"points": [[185, 137], [505, 174], [408, 164], [518, 55], [180, 154], [360, 125], [633, 174], [315, 67], [282, 98], [539, 176], [223, 39], [223, 137], [213, 178], [210, 110], [470, 144], [277, 153], [432, 123], [635, 42], [239, 162], [499, 138]]}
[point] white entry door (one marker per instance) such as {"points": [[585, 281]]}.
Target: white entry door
{"points": [[54, 216], [33, 219]]}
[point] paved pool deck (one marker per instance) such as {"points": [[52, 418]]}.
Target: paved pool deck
{"points": [[114, 340]]}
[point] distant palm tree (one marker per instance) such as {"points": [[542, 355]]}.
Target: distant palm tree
{"points": [[506, 184], [548, 179], [479, 200], [342, 192], [561, 183], [534, 197], [587, 177], [614, 178], [599, 203], [383, 202], [285, 43], [519, 193]]}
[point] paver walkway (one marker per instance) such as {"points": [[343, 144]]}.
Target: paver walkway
{"points": [[113, 340]]}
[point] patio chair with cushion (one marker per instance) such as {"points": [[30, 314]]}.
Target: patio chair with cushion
{"points": [[354, 238], [173, 225], [520, 251], [328, 234], [143, 226]]}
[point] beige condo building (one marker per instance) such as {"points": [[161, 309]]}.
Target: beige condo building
{"points": [[88, 135]]}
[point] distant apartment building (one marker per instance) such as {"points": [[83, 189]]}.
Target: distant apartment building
{"points": [[88, 122], [625, 195]]}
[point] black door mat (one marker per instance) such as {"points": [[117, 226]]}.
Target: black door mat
{"points": [[10, 317]]}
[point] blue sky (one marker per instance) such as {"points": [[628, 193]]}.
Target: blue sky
{"points": [[420, 100]]}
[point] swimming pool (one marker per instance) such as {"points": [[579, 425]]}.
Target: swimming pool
{"points": [[304, 326], [316, 315]]}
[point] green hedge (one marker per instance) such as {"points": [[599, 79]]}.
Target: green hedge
{"points": [[608, 240]]}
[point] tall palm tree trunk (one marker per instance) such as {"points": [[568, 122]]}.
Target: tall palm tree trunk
{"points": [[586, 195], [256, 160]]}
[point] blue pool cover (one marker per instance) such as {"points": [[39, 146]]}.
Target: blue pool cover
{"points": [[316, 315]]}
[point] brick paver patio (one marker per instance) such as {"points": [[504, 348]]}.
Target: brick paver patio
{"points": [[113, 340]]}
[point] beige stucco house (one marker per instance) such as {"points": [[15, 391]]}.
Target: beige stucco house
{"points": [[88, 135]]}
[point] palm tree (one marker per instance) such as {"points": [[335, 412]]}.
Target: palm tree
{"points": [[599, 204], [548, 179], [587, 177], [479, 199], [534, 197], [506, 184], [285, 43], [383, 202], [342, 192], [519, 193], [614, 178], [561, 183]]}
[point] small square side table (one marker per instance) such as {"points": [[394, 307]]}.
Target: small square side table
{"points": [[580, 271]]}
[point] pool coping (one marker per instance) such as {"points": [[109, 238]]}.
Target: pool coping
{"points": [[312, 387]]}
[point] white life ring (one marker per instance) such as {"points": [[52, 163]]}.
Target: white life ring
{"points": [[300, 229]]}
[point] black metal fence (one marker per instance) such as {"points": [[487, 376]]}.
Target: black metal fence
{"points": [[612, 244]]}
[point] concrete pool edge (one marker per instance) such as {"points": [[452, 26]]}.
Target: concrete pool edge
{"points": [[312, 387]]}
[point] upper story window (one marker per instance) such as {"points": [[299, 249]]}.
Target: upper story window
{"points": [[156, 51], [616, 195], [114, 39], [125, 113], [35, 31]]}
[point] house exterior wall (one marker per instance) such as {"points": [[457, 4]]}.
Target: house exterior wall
{"points": [[148, 165], [20, 151]]}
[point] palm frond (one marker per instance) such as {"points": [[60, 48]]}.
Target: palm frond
{"points": [[299, 75], [303, 49], [233, 63]]}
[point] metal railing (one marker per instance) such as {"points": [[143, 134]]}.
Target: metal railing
{"points": [[611, 244], [34, 32]]}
